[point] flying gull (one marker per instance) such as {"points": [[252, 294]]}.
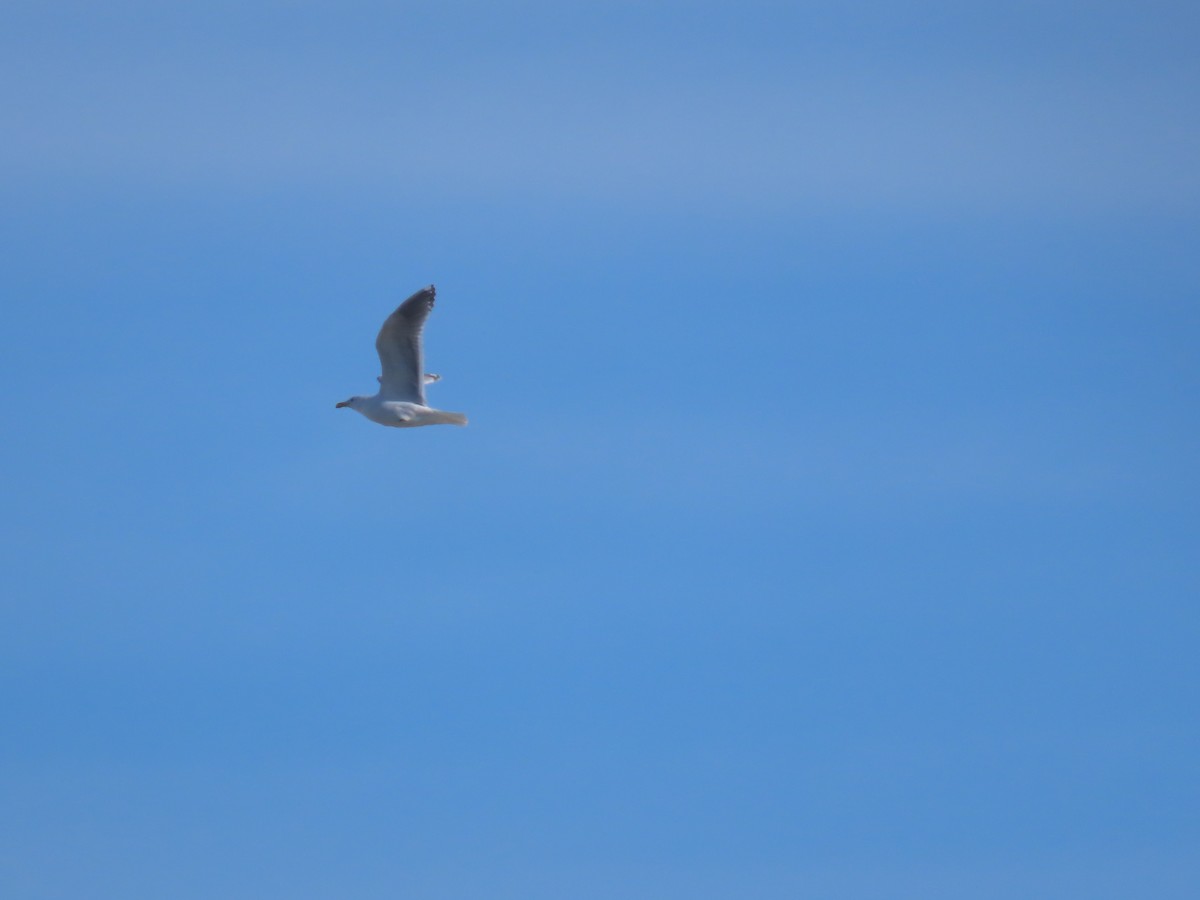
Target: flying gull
{"points": [[400, 402]]}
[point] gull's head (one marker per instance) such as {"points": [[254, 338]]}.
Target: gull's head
{"points": [[352, 403]]}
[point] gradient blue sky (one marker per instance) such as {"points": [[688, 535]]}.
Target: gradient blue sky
{"points": [[827, 522]]}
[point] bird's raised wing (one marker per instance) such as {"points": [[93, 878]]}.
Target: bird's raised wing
{"points": [[399, 347]]}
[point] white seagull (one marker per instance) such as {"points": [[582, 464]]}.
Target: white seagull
{"points": [[400, 402]]}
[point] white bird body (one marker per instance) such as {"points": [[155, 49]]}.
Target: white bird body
{"points": [[401, 413], [400, 401]]}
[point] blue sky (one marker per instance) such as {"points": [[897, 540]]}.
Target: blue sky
{"points": [[826, 525]]}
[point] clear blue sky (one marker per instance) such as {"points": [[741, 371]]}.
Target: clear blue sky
{"points": [[827, 522]]}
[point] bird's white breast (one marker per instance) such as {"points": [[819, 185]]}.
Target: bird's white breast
{"points": [[394, 413]]}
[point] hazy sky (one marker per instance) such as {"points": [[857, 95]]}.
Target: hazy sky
{"points": [[827, 521]]}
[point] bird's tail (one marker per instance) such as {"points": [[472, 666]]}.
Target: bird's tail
{"points": [[441, 417]]}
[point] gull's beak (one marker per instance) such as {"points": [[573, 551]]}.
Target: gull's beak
{"points": [[340, 405]]}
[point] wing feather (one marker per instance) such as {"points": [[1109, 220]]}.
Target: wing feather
{"points": [[399, 348]]}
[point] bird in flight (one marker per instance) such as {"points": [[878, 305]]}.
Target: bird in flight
{"points": [[400, 402]]}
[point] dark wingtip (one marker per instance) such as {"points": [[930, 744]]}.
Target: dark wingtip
{"points": [[420, 303]]}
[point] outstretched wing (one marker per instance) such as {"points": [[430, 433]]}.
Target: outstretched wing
{"points": [[430, 378], [399, 347]]}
